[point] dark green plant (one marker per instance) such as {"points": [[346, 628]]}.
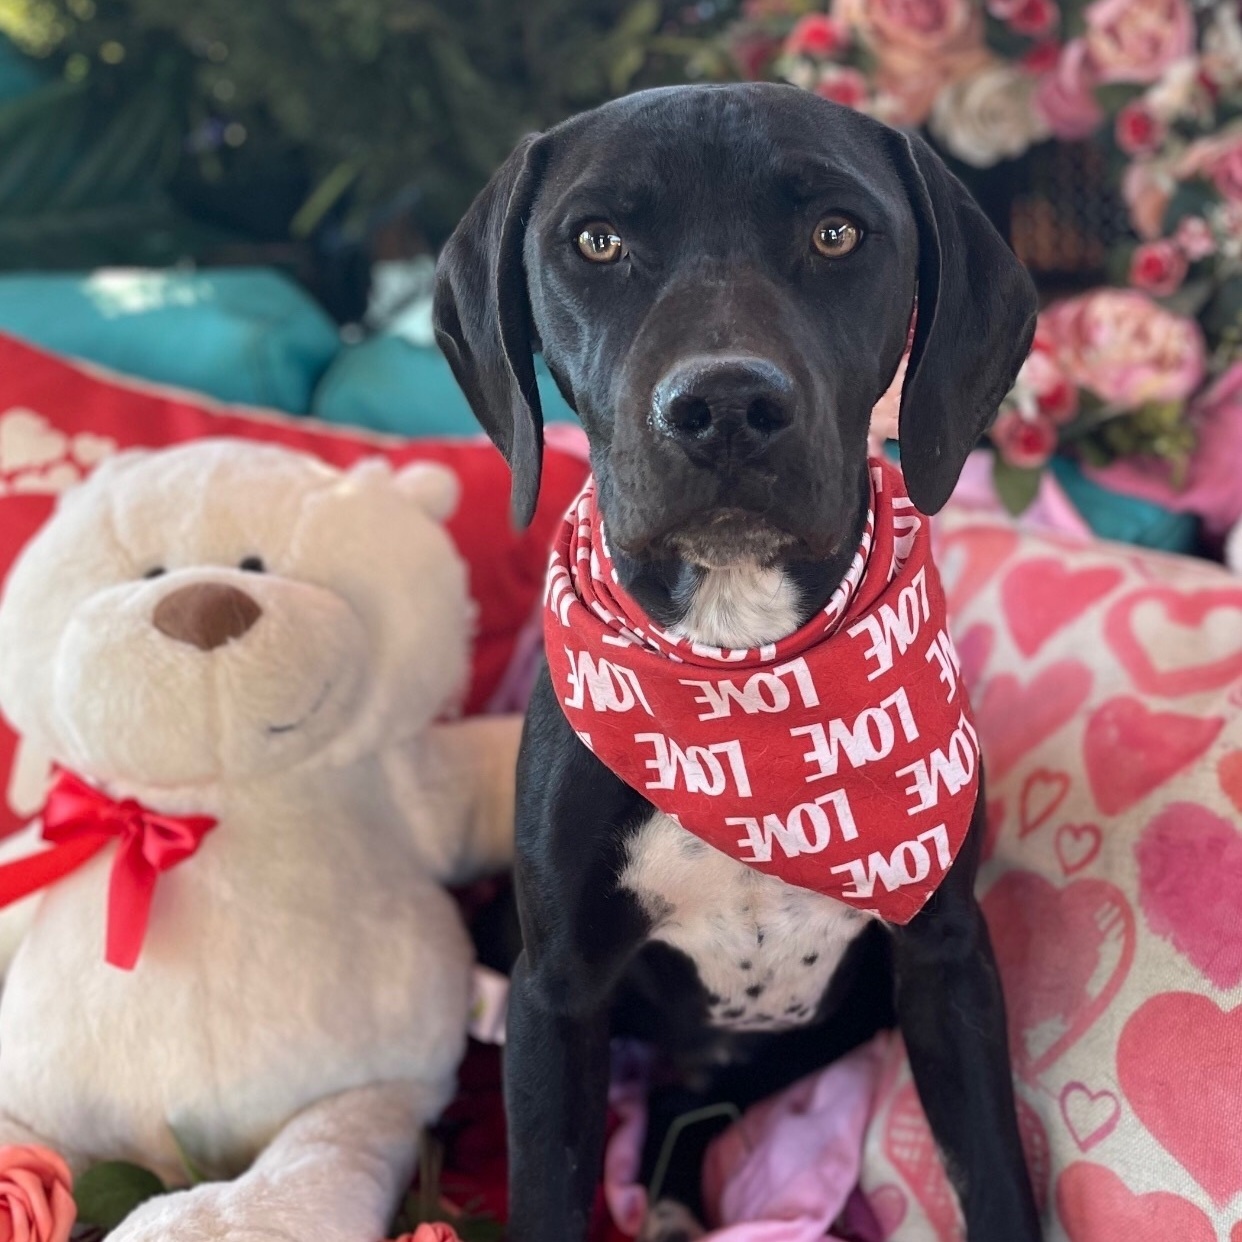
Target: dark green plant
{"points": [[377, 105]]}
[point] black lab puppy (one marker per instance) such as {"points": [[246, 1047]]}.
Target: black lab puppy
{"points": [[721, 280]]}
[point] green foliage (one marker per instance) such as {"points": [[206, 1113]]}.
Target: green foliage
{"points": [[106, 1193], [379, 100], [1017, 486]]}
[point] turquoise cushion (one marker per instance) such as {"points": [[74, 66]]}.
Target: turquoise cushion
{"points": [[388, 384], [1125, 518], [243, 335]]}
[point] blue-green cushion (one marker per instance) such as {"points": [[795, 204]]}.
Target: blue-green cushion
{"points": [[242, 335], [389, 384], [1125, 518]]}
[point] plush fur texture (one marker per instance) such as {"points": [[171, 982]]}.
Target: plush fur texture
{"points": [[308, 952]]}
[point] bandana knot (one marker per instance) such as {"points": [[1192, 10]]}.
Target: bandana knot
{"points": [[78, 822], [842, 758]]}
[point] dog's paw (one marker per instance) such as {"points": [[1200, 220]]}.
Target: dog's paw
{"points": [[669, 1221]]}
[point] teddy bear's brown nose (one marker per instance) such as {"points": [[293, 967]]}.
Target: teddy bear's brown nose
{"points": [[206, 615]]}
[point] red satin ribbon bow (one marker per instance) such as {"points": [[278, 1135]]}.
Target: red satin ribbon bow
{"points": [[78, 822]]}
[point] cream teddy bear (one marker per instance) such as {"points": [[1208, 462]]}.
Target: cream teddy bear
{"points": [[256, 648]]}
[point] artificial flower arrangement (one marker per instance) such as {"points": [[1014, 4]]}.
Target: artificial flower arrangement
{"points": [[1124, 371]]}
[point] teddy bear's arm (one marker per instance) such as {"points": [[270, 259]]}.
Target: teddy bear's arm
{"points": [[15, 919], [455, 788]]}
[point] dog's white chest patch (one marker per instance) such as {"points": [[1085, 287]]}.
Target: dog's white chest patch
{"points": [[764, 950]]}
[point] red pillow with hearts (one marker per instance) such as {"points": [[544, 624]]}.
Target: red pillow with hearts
{"points": [[1107, 686], [59, 419]]}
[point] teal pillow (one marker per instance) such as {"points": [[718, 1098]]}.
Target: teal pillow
{"points": [[1127, 519], [389, 384], [243, 335]]}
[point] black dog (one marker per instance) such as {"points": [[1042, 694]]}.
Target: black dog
{"points": [[721, 280]]}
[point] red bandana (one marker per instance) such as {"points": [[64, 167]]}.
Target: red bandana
{"points": [[841, 759], [79, 821]]}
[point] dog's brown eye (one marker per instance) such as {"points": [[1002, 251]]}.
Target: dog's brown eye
{"points": [[835, 236], [600, 243]]}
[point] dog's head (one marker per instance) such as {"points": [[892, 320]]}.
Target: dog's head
{"points": [[721, 280]]}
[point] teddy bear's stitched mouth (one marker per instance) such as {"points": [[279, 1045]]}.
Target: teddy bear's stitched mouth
{"points": [[297, 724]]}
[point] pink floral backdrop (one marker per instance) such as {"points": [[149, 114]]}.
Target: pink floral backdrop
{"points": [[1140, 377]]}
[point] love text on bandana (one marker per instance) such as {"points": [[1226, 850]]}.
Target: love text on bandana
{"points": [[842, 759]]}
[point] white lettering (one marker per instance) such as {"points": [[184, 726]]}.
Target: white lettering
{"points": [[807, 828], [698, 766], [764, 691], [870, 737], [612, 687], [891, 625], [954, 769], [909, 863]]}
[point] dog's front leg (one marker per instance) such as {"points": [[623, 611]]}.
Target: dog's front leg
{"points": [[952, 1017], [579, 931]]}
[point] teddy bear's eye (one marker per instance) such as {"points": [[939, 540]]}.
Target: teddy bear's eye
{"points": [[154, 572], [253, 565]]}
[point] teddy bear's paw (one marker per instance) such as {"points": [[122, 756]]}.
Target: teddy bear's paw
{"points": [[214, 1212]]}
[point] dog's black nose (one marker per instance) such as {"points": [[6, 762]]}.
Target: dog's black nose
{"points": [[714, 405]]}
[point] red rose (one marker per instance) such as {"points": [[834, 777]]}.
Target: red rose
{"points": [[1024, 442], [36, 1195], [1041, 58], [843, 85], [1139, 131], [1034, 17], [815, 35], [1159, 267]]}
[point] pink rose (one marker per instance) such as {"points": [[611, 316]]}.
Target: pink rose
{"points": [[842, 85], [1056, 397], [816, 35], [1159, 267], [1139, 131], [1126, 348], [1023, 441], [1065, 98], [1147, 187], [1136, 40], [36, 1196], [1219, 159], [1195, 238], [919, 45], [436, 1232]]}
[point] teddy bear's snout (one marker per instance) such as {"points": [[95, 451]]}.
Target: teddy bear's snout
{"points": [[206, 615]]}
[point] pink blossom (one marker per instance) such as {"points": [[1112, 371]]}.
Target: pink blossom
{"points": [[1126, 348], [1027, 17], [816, 35], [436, 1232], [1136, 40], [36, 1196], [1218, 158], [919, 46], [1065, 98], [1159, 267], [1139, 131], [1195, 238], [1147, 187], [842, 85], [1024, 441]]}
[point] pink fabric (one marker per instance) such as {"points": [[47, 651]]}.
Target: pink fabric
{"points": [[784, 1173], [1052, 510], [786, 1170], [1212, 489]]}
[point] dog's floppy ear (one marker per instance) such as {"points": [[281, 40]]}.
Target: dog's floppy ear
{"points": [[483, 324], [975, 324]]}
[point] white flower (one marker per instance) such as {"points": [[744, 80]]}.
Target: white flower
{"points": [[1222, 47], [988, 116], [1178, 93]]}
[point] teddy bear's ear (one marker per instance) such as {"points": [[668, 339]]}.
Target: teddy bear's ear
{"points": [[434, 487]]}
